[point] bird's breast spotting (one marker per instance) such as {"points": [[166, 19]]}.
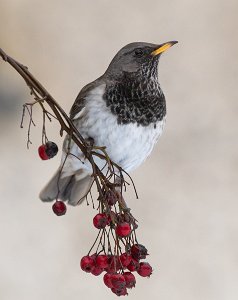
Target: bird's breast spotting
{"points": [[126, 144], [139, 101]]}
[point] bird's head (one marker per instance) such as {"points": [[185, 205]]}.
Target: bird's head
{"points": [[138, 59]]}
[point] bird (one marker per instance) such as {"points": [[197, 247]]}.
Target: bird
{"points": [[124, 110]]}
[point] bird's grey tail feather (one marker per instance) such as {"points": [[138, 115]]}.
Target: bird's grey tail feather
{"points": [[73, 188], [79, 189]]}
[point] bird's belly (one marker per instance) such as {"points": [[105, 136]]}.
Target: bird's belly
{"points": [[128, 145]]}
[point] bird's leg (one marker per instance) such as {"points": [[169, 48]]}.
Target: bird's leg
{"points": [[89, 144], [90, 141]]}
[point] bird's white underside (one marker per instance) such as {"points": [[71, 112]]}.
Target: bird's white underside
{"points": [[128, 145]]}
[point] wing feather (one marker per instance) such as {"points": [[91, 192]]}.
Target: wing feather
{"points": [[80, 101]]}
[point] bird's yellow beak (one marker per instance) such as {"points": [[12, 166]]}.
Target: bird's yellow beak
{"points": [[163, 47]]}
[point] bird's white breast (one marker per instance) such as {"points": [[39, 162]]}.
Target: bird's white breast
{"points": [[126, 144]]}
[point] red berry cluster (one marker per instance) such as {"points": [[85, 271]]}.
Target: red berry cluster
{"points": [[118, 268], [118, 253]]}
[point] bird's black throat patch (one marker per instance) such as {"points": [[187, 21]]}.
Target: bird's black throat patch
{"points": [[138, 101]]}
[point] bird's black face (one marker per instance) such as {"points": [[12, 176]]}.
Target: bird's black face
{"points": [[139, 59]]}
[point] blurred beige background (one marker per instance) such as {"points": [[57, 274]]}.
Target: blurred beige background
{"points": [[188, 188]]}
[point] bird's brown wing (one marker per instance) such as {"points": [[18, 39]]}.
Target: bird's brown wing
{"points": [[79, 102]]}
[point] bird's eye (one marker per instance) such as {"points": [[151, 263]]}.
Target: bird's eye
{"points": [[139, 52]]}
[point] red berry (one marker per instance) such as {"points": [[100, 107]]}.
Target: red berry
{"points": [[100, 221], [96, 271], [145, 269], [119, 292], [125, 259], [130, 279], [48, 150], [93, 256], [42, 153], [107, 280], [87, 263], [123, 229], [59, 208], [138, 251], [102, 261], [118, 281], [133, 265]]}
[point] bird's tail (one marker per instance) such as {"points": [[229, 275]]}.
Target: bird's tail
{"points": [[73, 188]]}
